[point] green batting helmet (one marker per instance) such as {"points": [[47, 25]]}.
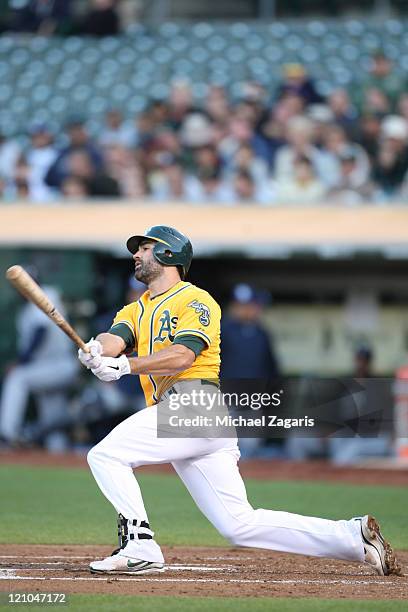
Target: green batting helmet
{"points": [[172, 248]]}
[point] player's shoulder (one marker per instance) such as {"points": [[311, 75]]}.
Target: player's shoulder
{"points": [[194, 293], [133, 307]]}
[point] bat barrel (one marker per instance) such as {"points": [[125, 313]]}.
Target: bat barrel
{"points": [[14, 272]]}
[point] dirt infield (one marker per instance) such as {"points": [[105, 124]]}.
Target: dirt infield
{"points": [[204, 572], [197, 572], [255, 468]]}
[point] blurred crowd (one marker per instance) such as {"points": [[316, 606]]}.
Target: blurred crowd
{"points": [[291, 146]]}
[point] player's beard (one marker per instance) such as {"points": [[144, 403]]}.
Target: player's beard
{"points": [[148, 271]]}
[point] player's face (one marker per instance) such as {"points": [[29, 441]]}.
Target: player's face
{"points": [[147, 268]]}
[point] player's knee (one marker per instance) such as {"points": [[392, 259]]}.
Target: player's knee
{"points": [[90, 456], [231, 532], [236, 530], [94, 456], [102, 453]]}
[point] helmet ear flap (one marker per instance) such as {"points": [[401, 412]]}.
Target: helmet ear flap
{"points": [[163, 254], [171, 249]]}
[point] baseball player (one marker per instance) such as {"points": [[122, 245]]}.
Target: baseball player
{"points": [[41, 348], [175, 329]]}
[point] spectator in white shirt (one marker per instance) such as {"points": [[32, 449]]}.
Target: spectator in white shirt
{"points": [[9, 155], [117, 131], [40, 155], [300, 137], [304, 187]]}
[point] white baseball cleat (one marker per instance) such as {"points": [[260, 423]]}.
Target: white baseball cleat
{"points": [[119, 563], [378, 552]]}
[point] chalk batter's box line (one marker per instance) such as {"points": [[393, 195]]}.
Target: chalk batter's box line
{"points": [[212, 580], [375, 582], [87, 557], [175, 567]]}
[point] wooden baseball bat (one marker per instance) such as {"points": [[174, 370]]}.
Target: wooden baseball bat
{"points": [[28, 288]]}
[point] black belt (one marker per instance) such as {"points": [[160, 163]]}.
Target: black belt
{"points": [[203, 381]]}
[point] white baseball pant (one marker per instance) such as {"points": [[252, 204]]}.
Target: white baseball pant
{"points": [[208, 468]]}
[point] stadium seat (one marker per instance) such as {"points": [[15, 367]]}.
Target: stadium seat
{"points": [[202, 30], [49, 76]]}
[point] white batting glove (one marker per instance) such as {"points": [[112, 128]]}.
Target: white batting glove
{"points": [[93, 358], [111, 368]]}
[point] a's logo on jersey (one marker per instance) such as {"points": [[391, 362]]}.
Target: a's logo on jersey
{"points": [[167, 325], [203, 311]]}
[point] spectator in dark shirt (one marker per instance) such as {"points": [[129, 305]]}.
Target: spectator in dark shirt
{"points": [[344, 113], [44, 17], [97, 182], [296, 81], [102, 19], [246, 346], [78, 140], [391, 162], [365, 414], [269, 136], [247, 353], [382, 78], [369, 134]]}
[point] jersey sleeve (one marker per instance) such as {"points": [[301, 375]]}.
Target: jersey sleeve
{"points": [[194, 343], [199, 316], [124, 327]]}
